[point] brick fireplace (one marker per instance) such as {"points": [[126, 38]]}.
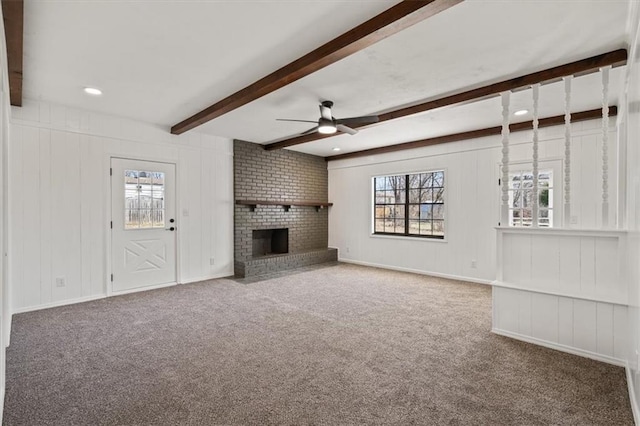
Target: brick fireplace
{"points": [[279, 177]]}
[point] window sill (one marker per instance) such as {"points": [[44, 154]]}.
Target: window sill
{"points": [[404, 237]]}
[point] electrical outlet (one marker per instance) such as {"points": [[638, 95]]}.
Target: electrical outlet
{"points": [[574, 220], [212, 261], [346, 249], [474, 263], [185, 212], [60, 282]]}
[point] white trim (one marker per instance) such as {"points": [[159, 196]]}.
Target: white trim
{"points": [[113, 294], [417, 271], [9, 319], [632, 395], [92, 133], [207, 278], [410, 238], [560, 347], [372, 203], [60, 303], [2, 393], [503, 284], [139, 289], [563, 231]]}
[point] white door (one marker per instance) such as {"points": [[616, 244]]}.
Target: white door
{"points": [[143, 227]]}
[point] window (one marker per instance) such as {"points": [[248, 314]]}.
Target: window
{"points": [[143, 199], [411, 205], [521, 198]]}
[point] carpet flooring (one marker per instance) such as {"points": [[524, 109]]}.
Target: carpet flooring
{"points": [[333, 345]]}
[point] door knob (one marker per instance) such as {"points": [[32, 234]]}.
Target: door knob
{"points": [[171, 229], [171, 220]]}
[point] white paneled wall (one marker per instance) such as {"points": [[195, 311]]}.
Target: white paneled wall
{"points": [[585, 264], [472, 197], [631, 123], [5, 291], [60, 209], [564, 289], [584, 327]]}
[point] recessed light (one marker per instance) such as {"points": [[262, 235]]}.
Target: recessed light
{"points": [[521, 112], [92, 91], [336, 149]]}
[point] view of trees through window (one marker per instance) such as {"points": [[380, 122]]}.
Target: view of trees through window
{"points": [[521, 198], [411, 204], [143, 199]]}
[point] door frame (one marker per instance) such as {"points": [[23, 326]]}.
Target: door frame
{"points": [[108, 284]]}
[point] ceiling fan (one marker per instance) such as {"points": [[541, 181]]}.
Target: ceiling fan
{"points": [[327, 124]]}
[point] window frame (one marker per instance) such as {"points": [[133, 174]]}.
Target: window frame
{"points": [[553, 164], [406, 205]]}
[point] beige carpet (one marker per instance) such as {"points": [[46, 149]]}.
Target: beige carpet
{"points": [[333, 345]]}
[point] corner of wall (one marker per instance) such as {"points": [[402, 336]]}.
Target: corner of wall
{"points": [[631, 96]]}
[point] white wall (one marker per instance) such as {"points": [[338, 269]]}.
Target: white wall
{"points": [[564, 289], [472, 197], [59, 200], [5, 311], [631, 122]]}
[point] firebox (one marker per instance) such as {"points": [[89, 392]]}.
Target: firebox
{"points": [[270, 241]]}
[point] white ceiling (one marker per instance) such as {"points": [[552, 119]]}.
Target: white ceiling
{"points": [[162, 61]]}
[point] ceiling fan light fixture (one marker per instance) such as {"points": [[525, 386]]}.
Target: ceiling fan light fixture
{"points": [[326, 127], [92, 91]]}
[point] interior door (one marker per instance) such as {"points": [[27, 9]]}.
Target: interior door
{"points": [[143, 227]]}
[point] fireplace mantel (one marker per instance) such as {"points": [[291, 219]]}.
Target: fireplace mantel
{"points": [[284, 203]]}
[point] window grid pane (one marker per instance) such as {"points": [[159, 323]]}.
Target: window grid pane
{"points": [[411, 205], [143, 199], [521, 198]]}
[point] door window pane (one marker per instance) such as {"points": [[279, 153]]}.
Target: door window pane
{"points": [[143, 199]]}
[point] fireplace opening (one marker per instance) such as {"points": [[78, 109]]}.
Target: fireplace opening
{"points": [[270, 241]]}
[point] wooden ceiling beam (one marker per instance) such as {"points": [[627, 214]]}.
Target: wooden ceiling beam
{"points": [[582, 67], [393, 20], [473, 134], [13, 17]]}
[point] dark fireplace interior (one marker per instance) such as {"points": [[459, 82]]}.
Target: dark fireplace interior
{"points": [[270, 241]]}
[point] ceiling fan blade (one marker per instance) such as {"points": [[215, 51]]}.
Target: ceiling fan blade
{"points": [[346, 129], [300, 121], [352, 121], [312, 130], [325, 112]]}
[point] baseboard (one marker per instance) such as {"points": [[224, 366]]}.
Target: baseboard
{"points": [[139, 289], [7, 333], [60, 303], [632, 396], [2, 401], [115, 293], [561, 347], [417, 271], [207, 278]]}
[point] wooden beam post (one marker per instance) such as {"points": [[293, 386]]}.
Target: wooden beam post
{"points": [[389, 22], [489, 131], [13, 17], [582, 67]]}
